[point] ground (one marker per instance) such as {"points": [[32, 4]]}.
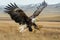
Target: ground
{"points": [[48, 31]]}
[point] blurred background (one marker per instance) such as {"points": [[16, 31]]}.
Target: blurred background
{"points": [[50, 13], [48, 21]]}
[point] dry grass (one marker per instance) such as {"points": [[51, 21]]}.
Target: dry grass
{"points": [[9, 31]]}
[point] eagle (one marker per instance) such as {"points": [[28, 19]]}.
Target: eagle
{"points": [[19, 16]]}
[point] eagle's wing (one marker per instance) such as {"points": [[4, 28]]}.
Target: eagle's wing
{"points": [[16, 13], [39, 10]]}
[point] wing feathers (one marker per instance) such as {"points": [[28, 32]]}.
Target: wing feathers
{"points": [[39, 10], [16, 13], [15, 5]]}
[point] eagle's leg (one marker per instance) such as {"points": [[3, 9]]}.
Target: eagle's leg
{"points": [[30, 28], [35, 26]]}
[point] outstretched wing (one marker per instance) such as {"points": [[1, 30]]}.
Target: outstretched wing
{"points": [[39, 10], [16, 13]]}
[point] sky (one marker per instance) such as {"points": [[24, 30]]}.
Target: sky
{"points": [[27, 2]]}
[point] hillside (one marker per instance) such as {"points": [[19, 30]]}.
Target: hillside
{"points": [[50, 13]]}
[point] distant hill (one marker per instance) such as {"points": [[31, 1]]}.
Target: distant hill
{"points": [[50, 9], [50, 13]]}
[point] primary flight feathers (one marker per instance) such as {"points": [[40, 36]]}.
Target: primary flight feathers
{"points": [[39, 9]]}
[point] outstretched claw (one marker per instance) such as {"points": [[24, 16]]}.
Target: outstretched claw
{"points": [[35, 26]]}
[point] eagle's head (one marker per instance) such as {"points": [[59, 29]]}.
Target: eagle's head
{"points": [[33, 20]]}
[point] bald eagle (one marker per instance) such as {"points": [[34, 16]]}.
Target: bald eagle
{"points": [[19, 16]]}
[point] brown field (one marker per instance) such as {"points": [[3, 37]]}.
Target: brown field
{"points": [[48, 22], [48, 31]]}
